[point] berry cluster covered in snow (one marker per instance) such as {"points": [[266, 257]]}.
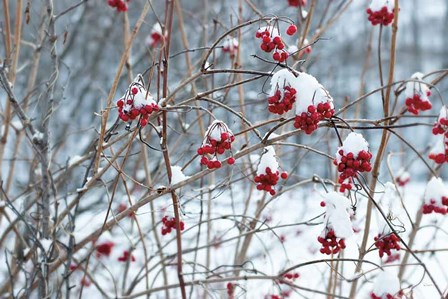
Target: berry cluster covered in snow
{"points": [[403, 177], [312, 100], [440, 128], [272, 41], [417, 94], [218, 139], [386, 286], [136, 102], [352, 157], [338, 226], [296, 3], [169, 224], [436, 197], [381, 12], [387, 243], [120, 5], [268, 173], [230, 45], [155, 37]]}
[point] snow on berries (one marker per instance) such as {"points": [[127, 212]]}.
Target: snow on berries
{"points": [[217, 141], [312, 100], [386, 286], [297, 3], [338, 226], [386, 243], [268, 173], [120, 5], [381, 12], [436, 197], [439, 153], [403, 177], [155, 37], [169, 224], [272, 41], [352, 157], [417, 94], [230, 45], [136, 102]]}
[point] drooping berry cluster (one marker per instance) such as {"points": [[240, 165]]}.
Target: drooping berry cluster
{"points": [[155, 37], [282, 100], [440, 152], [417, 94], [266, 181], [296, 3], [125, 257], [386, 243], [231, 290], [331, 244], [169, 224], [402, 178], [382, 16], [104, 249], [120, 5], [230, 45], [434, 207], [349, 165], [136, 102], [307, 121], [436, 197], [218, 139], [272, 41], [418, 103]]}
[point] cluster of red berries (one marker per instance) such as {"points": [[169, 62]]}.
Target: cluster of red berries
{"points": [[169, 223], [416, 103], [214, 145], [128, 109], [125, 257], [386, 243], [349, 166], [383, 16], [331, 244], [273, 297], [282, 101], [265, 181], [296, 3], [433, 207], [440, 127], [230, 46], [231, 290], [120, 5], [387, 296], [271, 41], [392, 258], [290, 276], [440, 158], [104, 249], [403, 179], [307, 121]]}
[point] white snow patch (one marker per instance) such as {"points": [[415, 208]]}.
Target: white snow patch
{"points": [[386, 283], [377, 5], [413, 87], [435, 190], [177, 175], [354, 143], [338, 214], [267, 159]]}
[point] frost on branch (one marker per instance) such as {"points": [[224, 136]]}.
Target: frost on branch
{"points": [[137, 102], [352, 157], [439, 153], [436, 197], [268, 171], [312, 100], [155, 37], [417, 94], [386, 286], [338, 226], [381, 12], [218, 139]]}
